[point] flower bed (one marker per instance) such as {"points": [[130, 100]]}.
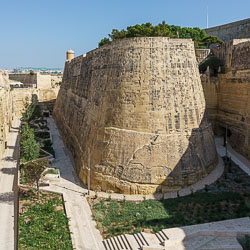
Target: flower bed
{"points": [[43, 223]]}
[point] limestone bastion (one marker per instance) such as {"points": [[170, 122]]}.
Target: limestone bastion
{"points": [[138, 105]]}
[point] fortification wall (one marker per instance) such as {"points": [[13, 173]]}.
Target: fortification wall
{"points": [[5, 110], [138, 105], [235, 30], [228, 96], [27, 79], [23, 96], [234, 54], [43, 81], [35, 80]]}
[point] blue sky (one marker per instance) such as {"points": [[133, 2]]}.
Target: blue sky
{"points": [[37, 33]]}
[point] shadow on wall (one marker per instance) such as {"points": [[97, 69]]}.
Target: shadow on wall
{"points": [[196, 162]]}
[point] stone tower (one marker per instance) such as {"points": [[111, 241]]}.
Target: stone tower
{"points": [[138, 105], [70, 55]]}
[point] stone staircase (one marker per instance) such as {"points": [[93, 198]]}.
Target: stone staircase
{"points": [[162, 237], [220, 235]]}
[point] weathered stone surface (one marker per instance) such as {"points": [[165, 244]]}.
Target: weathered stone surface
{"points": [[23, 96], [138, 104], [5, 110], [228, 95]]}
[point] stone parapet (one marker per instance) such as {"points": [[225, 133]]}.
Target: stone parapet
{"points": [[229, 31]]}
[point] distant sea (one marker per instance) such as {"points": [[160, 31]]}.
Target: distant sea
{"points": [[39, 69]]}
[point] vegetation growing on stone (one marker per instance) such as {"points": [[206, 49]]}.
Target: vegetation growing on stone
{"points": [[200, 38], [212, 61]]}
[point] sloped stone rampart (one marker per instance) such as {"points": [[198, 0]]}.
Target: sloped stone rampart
{"points": [[138, 105]]}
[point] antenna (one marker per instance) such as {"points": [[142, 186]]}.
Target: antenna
{"points": [[207, 16]]}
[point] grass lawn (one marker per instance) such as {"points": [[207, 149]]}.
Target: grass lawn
{"points": [[42, 223], [227, 198], [119, 217]]}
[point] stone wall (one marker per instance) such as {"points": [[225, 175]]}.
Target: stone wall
{"points": [[235, 30], [23, 96], [5, 110], [56, 80], [43, 81], [234, 54], [28, 80], [228, 95], [138, 105], [35, 80]]}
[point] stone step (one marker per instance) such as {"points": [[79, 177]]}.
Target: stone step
{"points": [[161, 236], [132, 242], [117, 243], [151, 239], [197, 241], [139, 237]]}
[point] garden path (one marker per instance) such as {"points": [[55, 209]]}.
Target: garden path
{"points": [[82, 226], [8, 190], [240, 160]]}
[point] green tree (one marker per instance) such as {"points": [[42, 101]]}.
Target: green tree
{"points": [[33, 172], [208, 40], [29, 110], [200, 38], [104, 41]]}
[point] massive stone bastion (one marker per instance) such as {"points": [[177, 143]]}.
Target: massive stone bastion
{"points": [[138, 105]]}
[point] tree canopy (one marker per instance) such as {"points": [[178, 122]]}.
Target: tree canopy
{"points": [[200, 38], [33, 171]]}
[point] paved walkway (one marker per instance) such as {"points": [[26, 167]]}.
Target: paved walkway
{"points": [[8, 189], [82, 226], [212, 236], [240, 160]]}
